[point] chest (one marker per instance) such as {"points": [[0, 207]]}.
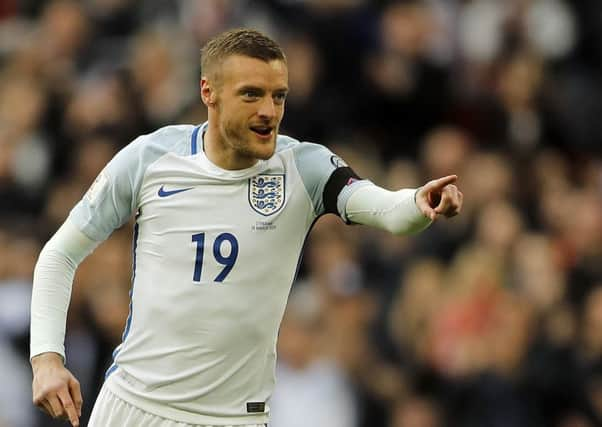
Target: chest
{"points": [[263, 202]]}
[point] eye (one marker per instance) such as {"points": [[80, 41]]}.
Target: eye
{"points": [[250, 95], [279, 98]]}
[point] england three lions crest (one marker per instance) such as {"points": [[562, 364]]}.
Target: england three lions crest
{"points": [[266, 193]]}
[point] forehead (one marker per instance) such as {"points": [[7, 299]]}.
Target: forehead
{"points": [[239, 70]]}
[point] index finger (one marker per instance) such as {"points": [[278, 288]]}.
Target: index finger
{"points": [[439, 183], [69, 406]]}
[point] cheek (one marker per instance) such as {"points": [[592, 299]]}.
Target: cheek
{"points": [[230, 115], [280, 112], [233, 127]]}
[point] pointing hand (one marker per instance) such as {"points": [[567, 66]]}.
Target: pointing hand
{"points": [[440, 197]]}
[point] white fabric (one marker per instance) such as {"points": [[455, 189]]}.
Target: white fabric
{"points": [[393, 211], [52, 282], [199, 349], [199, 343], [110, 410]]}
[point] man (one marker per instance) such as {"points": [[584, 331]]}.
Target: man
{"points": [[222, 212]]}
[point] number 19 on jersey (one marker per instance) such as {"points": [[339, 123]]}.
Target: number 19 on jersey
{"points": [[227, 261]]}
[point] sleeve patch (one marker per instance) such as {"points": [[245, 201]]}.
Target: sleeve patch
{"points": [[97, 188], [337, 162]]}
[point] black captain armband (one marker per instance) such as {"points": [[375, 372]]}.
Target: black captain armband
{"points": [[338, 180]]}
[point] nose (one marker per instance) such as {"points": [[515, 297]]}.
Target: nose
{"points": [[267, 108]]}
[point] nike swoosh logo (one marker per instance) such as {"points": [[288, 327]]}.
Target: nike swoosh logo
{"points": [[166, 193]]}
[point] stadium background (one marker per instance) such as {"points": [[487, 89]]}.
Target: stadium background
{"points": [[491, 319]]}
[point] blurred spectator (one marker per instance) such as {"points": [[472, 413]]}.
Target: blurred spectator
{"points": [[16, 265], [416, 411], [490, 319], [312, 388]]}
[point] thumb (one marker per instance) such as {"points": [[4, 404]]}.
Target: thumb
{"points": [[421, 199]]}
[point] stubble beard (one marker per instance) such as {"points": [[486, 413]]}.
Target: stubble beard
{"points": [[244, 143]]}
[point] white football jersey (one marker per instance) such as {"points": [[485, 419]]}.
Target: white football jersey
{"points": [[215, 254]]}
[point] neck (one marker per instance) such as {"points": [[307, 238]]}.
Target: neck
{"points": [[220, 154]]}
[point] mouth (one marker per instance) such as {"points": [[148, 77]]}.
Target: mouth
{"points": [[263, 132]]}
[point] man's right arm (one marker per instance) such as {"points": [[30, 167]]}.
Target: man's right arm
{"points": [[52, 282], [55, 389], [107, 205]]}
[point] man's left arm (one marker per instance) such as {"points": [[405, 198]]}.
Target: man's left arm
{"points": [[405, 211], [335, 188]]}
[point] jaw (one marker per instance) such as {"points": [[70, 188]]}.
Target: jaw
{"points": [[262, 148], [264, 141], [240, 147], [249, 148]]}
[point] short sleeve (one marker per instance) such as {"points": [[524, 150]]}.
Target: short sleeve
{"points": [[317, 165], [112, 198]]}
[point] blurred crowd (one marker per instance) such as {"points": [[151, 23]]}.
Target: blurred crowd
{"points": [[492, 318]]}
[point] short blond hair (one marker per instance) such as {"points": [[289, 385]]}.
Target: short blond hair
{"points": [[241, 41]]}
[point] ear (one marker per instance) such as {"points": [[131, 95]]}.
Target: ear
{"points": [[208, 95]]}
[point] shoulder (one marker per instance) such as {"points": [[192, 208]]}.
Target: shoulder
{"points": [[145, 150], [286, 143], [174, 138], [310, 159]]}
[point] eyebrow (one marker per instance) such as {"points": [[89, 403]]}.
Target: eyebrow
{"points": [[252, 88], [247, 88]]}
